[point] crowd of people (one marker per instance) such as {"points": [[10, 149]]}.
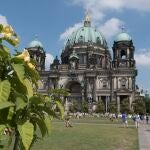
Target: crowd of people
{"points": [[137, 118]]}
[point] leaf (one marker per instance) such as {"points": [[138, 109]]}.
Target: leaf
{"points": [[1, 27], [19, 69], [41, 125], [26, 132], [17, 60], [61, 108], [2, 127], [14, 41], [47, 122], [47, 99], [29, 87], [10, 113], [35, 100], [4, 90], [20, 103], [6, 105]]}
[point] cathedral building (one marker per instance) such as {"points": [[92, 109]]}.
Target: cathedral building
{"points": [[87, 68]]}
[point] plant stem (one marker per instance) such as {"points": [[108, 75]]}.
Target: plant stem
{"points": [[16, 144]]}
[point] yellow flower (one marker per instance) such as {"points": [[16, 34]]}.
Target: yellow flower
{"points": [[25, 55], [7, 31], [31, 66]]}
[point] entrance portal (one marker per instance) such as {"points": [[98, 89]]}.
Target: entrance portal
{"points": [[75, 91]]}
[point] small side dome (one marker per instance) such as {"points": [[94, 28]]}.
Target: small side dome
{"points": [[35, 43], [123, 37]]}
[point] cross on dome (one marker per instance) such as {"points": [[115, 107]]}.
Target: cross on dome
{"points": [[87, 22], [123, 29]]}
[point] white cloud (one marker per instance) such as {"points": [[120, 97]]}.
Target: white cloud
{"points": [[102, 6], [98, 10], [3, 20], [49, 59], [139, 5], [69, 31], [143, 58], [111, 27]]}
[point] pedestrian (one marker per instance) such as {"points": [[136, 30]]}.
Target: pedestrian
{"points": [[124, 120], [67, 121], [142, 118], [147, 118], [137, 120]]}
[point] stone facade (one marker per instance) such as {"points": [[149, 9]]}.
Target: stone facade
{"points": [[88, 70]]}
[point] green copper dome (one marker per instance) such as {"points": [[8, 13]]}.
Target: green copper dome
{"points": [[85, 35], [123, 37], [35, 43]]}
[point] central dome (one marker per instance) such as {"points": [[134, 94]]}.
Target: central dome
{"points": [[85, 35]]}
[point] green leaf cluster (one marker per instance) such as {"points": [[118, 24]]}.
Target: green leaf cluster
{"points": [[100, 107], [22, 109]]}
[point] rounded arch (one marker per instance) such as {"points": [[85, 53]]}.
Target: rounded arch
{"points": [[73, 86], [75, 89]]}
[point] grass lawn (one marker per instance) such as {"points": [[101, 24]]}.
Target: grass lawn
{"points": [[90, 136]]}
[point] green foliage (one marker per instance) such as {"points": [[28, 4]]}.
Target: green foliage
{"points": [[125, 106], [22, 108], [84, 106], [4, 90], [112, 107], [74, 106], [26, 132], [147, 104], [100, 107], [139, 105], [58, 93]]}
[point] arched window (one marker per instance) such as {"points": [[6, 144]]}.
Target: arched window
{"points": [[123, 83], [98, 40], [81, 40], [123, 54]]}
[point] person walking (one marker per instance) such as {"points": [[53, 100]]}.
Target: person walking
{"points": [[147, 118], [137, 120], [124, 120], [67, 121]]}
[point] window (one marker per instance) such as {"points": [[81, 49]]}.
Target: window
{"points": [[80, 40], [104, 84], [82, 59], [123, 83], [123, 54], [98, 40]]}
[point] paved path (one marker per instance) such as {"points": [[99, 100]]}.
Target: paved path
{"points": [[144, 137]]}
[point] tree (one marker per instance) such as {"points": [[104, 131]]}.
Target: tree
{"points": [[100, 107], [139, 105], [22, 108], [74, 107], [84, 106], [58, 94], [112, 107], [147, 104], [125, 106]]}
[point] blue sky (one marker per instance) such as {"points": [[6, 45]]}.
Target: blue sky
{"points": [[54, 20]]}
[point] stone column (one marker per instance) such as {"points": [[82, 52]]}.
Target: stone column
{"points": [[106, 103], [118, 103], [130, 101]]}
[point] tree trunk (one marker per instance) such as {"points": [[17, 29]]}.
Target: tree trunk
{"points": [[16, 141]]}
